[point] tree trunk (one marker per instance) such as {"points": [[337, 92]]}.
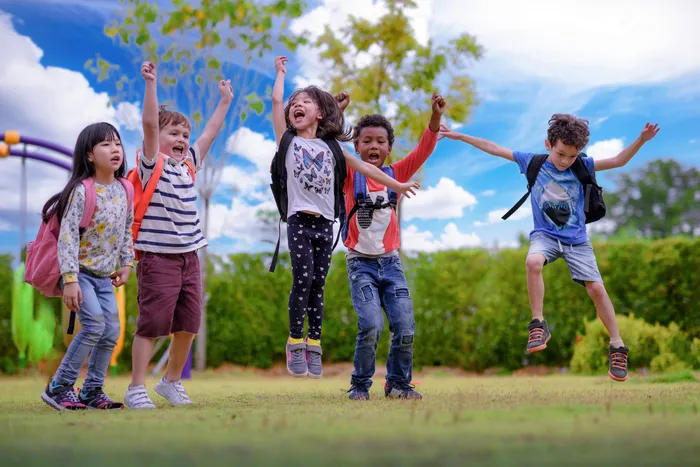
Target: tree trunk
{"points": [[201, 347]]}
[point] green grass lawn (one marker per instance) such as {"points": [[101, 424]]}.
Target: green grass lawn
{"points": [[248, 420]]}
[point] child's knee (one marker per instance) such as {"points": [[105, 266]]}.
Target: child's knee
{"points": [[595, 289], [534, 263], [93, 332]]}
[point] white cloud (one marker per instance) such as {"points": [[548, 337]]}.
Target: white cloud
{"points": [[450, 238], [6, 226], [487, 193], [253, 146], [128, 116], [494, 216], [445, 200], [605, 149], [599, 121], [588, 44]]}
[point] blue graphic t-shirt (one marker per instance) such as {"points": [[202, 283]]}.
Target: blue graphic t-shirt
{"points": [[557, 200]]}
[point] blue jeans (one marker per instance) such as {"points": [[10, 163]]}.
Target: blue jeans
{"points": [[98, 335], [377, 283]]}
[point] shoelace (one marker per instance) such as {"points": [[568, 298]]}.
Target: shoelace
{"points": [[618, 360], [536, 334], [298, 355], [67, 394], [181, 391], [314, 357]]}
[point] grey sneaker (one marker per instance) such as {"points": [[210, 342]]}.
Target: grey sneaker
{"points": [[296, 359], [539, 335], [313, 360], [136, 397], [358, 393], [174, 392]]}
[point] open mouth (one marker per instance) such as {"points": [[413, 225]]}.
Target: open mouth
{"points": [[178, 151], [299, 115], [116, 160], [373, 158]]}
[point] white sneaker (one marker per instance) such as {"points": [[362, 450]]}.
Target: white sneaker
{"points": [[136, 397], [174, 392]]}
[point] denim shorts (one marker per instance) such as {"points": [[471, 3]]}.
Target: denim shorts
{"points": [[580, 257]]}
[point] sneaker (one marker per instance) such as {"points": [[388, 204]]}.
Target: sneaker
{"points": [[174, 392], [618, 363], [62, 397], [539, 336], [358, 393], [313, 361], [403, 392], [136, 397], [97, 399], [296, 359]]}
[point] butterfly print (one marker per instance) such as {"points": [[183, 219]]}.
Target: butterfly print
{"points": [[316, 161]]}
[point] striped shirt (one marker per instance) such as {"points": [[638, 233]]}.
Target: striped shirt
{"points": [[171, 223]]}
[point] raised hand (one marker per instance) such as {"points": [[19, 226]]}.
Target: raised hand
{"points": [[281, 64], [226, 90], [343, 100], [409, 188], [148, 71], [445, 132], [439, 103], [649, 131]]}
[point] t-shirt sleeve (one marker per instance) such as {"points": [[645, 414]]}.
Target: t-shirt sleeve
{"points": [[523, 159], [146, 168], [194, 154], [590, 164]]}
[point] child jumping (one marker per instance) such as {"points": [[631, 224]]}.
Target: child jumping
{"points": [[170, 288], [313, 117], [374, 267], [558, 203], [87, 260]]}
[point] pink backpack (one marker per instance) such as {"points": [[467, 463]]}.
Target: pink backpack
{"points": [[42, 271]]}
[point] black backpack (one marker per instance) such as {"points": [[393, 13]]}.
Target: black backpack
{"points": [[278, 171], [593, 204]]}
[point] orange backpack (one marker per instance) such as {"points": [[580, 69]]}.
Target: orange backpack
{"points": [[142, 197]]}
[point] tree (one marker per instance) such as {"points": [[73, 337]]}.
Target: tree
{"points": [[399, 74], [657, 201], [187, 39]]}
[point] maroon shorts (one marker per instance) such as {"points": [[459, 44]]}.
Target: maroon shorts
{"points": [[170, 294]]}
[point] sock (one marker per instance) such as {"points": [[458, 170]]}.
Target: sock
{"points": [[617, 343], [316, 342], [540, 319], [55, 384], [294, 341]]}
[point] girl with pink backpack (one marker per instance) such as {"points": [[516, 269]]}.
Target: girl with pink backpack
{"points": [[86, 233]]}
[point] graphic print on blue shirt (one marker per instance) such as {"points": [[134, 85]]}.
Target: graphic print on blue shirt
{"points": [[315, 171], [557, 200]]}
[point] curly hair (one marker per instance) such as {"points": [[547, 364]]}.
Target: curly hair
{"points": [[332, 126], [373, 121], [569, 129]]}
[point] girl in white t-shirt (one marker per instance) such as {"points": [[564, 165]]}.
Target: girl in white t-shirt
{"points": [[313, 116]]}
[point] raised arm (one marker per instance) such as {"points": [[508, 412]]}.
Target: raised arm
{"points": [[626, 154], [370, 171], [278, 120], [482, 144], [149, 119], [206, 139]]}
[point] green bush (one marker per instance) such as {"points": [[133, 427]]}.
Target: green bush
{"points": [[471, 307], [658, 348]]}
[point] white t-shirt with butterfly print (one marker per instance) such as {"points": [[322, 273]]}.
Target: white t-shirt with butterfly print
{"points": [[310, 177]]}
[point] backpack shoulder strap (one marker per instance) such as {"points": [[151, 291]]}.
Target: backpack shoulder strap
{"points": [[90, 202], [533, 168], [281, 154], [193, 173], [129, 188], [145, 200], [581, 171], [393, 196], [340, 165]]}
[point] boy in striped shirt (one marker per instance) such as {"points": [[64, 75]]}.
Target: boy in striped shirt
{"points": [[170, 288]]}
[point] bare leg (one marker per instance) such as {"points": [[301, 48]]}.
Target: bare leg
{"points": [[141, 352], [179, 350], [535, 283]]}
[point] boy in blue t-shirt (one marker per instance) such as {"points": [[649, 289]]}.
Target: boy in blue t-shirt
{"points": [[560, 223]]}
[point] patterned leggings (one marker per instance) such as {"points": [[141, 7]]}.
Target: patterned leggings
{"points": [[310, 241]]}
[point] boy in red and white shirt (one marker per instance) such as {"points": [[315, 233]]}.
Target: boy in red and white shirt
{"points": [[374, 268]]}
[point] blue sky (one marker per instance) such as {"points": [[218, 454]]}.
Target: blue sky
{"points": [[619, 65]]}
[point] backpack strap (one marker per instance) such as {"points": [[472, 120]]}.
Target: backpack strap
{"points": [[145, 200], [279, 165], [90, 202], [341, 172], [362, 198], [585, 178], [129, 188], [533, 169]]}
